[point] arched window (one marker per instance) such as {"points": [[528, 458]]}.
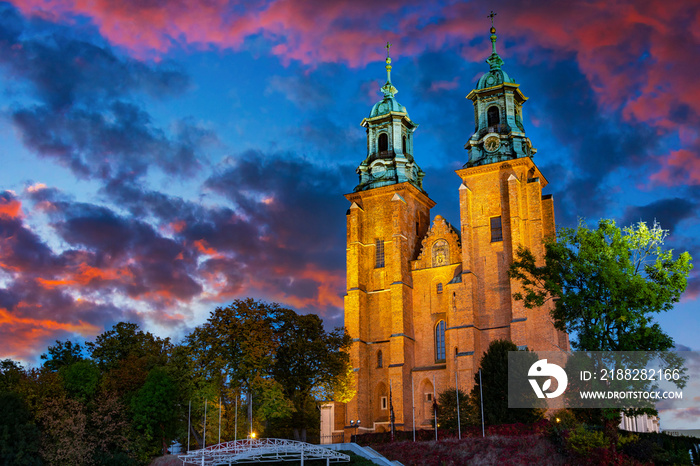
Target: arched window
{"points": [[440, 341], [405, 145], [383, 142], [493, 116], [380, 361], [439, 287]]}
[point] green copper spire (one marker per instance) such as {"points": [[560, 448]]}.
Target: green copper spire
{"points": [[388, 89], [494, 61]]}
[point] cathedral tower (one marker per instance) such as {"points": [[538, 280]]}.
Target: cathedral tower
{"points": [[388, 216], [424, 300]]}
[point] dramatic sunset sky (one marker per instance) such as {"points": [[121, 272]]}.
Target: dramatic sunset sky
{"points": [[160, 158]]}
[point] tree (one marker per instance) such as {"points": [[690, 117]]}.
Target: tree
{"points": [[494, 381], [154, 412], [236, 346], [447, 412], [19, 437], [80, 379], [606, 285], [127, 340], [308, 364], [11, 373], [63, 353]]}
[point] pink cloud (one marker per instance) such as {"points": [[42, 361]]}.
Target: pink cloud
{"points": [[680, 167]]}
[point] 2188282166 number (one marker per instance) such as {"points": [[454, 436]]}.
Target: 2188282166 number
{"points": [[640, 374]]}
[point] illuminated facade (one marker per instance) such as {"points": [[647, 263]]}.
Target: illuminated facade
{"points": [[424, 300]]}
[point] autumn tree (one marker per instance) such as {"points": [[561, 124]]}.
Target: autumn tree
{"points": [[606, 284]]}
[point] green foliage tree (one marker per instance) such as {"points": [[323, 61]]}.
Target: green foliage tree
{"points": [[308, 363], [63, 353], [80, 379], [154, 413], [606, 284], [126, 340], [493, 383], [11, 373], [236, 346], [19, 437], [447, 412]]}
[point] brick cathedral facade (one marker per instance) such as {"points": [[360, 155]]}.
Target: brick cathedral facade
{"points": [[424, 299]]}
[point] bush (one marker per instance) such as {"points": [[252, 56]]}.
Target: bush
{"points": [[582, 441]]}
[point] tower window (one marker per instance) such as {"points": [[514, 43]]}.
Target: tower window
{"points": [[493, 116], [440, 341], [380, 361], [404, 145], [383, 142], [439, 287], [383, 402], [378, 253], [496, 229]]}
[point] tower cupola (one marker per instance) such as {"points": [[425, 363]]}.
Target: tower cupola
{"points": [[389, 142], [499, 133]]}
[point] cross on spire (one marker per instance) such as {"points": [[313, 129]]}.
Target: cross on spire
{"points": [[490, 16]]}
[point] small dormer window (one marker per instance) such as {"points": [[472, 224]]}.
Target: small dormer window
{"points": [[383, 142], [493, 116]]}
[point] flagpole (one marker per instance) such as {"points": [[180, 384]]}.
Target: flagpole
{"points": [[413, 406], [204, 438], [391, 412], [235, 422], [189, 415], [219, 419], [434, 408], [481, 396], [459, 424]]}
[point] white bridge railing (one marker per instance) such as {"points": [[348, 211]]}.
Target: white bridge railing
{"points": [[260, 450]]}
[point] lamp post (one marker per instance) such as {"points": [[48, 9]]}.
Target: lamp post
{"points": [[352, 425]]}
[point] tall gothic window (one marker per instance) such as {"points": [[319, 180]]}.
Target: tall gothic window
{"points": [[378, 253], [383, 142], [440, 341], [380, 361], [493, 116], [496, 229]]}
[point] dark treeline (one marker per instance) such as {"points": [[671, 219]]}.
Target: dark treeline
{"points": [[122, 398]]}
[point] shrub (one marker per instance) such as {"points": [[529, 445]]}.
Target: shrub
{"points": [[582, 441]]}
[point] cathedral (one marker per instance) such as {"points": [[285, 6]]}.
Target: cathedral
{"points": [[424, 299]]}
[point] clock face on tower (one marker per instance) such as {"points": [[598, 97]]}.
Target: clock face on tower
{"points": [[492, 143]]}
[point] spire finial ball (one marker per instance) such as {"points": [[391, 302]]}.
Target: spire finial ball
{"points": [[493, 30]]}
